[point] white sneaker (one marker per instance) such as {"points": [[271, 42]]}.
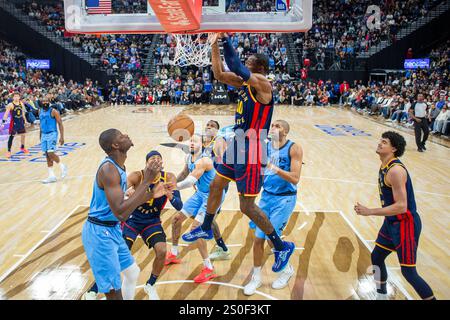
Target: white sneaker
{"points": [[219, 254], [91, 295], [63, 171], [250, 288], [284, 277], [151, 291], [49, 180]]}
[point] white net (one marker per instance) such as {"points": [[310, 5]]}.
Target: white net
{"points": [[193, 49]]}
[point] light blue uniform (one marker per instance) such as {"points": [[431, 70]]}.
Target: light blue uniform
{"points": [[195, 206], [279, 196], [106, 250], [49, 132]]}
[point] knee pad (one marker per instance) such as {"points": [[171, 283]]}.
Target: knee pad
{"points": [[132, 272]]}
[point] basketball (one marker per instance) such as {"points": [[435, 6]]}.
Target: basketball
{"points": [[180, 127]]}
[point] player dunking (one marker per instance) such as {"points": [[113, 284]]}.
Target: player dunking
{"points": [[146, 222], [17, 123], [402, 225], [278, 198], [242, 159], [105, 248]]}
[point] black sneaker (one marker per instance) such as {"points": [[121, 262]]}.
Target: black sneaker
{"points": [[423, 147], [420, 150]]}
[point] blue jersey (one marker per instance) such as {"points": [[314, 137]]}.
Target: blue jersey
{"points": [[251, 114], [273, 183], [387, 195], [99, 207], [207, 177], [46, 121], [151, 209]]}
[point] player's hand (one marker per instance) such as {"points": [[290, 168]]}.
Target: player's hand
{"points": [[129, 192], [170, 187], [160, 190], [362, 210], [270, 166], [418, 120], [152, 170], [61, 141]]}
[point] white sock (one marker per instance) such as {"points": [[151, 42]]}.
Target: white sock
{"points": [[51, 172], [130, 278], [207, 263], [174, 250], [257, 272]]}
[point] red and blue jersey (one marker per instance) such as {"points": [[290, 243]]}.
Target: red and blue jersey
{"points": [[387, 195], [251, 114]]}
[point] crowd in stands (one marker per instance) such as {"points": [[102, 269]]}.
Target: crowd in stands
{"points": [[341, 30], [115, 53], [394, 99], [33, 85]]}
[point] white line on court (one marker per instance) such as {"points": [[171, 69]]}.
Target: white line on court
{"points": [[393, 279], [7, 272], [265, 295], [45, 231], [18, 255], [302, 226], [299, 248]]}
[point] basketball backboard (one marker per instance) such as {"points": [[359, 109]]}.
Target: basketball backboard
{"points": [[214, 18]]}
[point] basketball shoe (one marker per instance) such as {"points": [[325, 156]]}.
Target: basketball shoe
{"points": [[284, 277], [151, 291], [24, 150], [171, 259], [282, 256], [255, 283], [197, 233], [90, 295], [220, 254], [206, 275]]}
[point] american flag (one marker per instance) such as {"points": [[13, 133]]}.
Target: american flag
{"points": [[98, 6]]}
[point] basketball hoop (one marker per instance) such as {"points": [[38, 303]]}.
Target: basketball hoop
{"points": [[193, 49]]}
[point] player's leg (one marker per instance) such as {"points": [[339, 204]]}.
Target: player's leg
{"points": [[409, 233], [249, 185], [105, 255], [22, 140], [258, 254], [155, 237], [221, 251], [177, 222], [279, 215], [10, 142], [384, 246], [207, 272], [53, 140]]}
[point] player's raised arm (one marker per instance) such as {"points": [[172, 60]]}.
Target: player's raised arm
{"points": [[174, 196], [255, 80], [229, 78], [205, 164]]}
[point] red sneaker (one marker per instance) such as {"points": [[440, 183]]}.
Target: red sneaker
{"points": [[171, 259], [8, 154], [205, 275], [24, 150]]}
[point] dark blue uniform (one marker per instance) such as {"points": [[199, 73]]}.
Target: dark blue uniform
{"points": [[401, 232], [17, 123], [243, 158], [146, 221]]}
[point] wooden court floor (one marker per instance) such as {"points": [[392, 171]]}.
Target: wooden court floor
{"points": [[41, 256]]}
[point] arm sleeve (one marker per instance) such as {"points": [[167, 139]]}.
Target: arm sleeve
{"points": [[176, 201], [186, 183], [233, 61]]}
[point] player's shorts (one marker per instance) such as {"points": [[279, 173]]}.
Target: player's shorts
{"points": [[48, 141], [151, 231], [17, 126], [401, 237], [243, 164], [107, 253], [278, 209], [195, 206]]}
